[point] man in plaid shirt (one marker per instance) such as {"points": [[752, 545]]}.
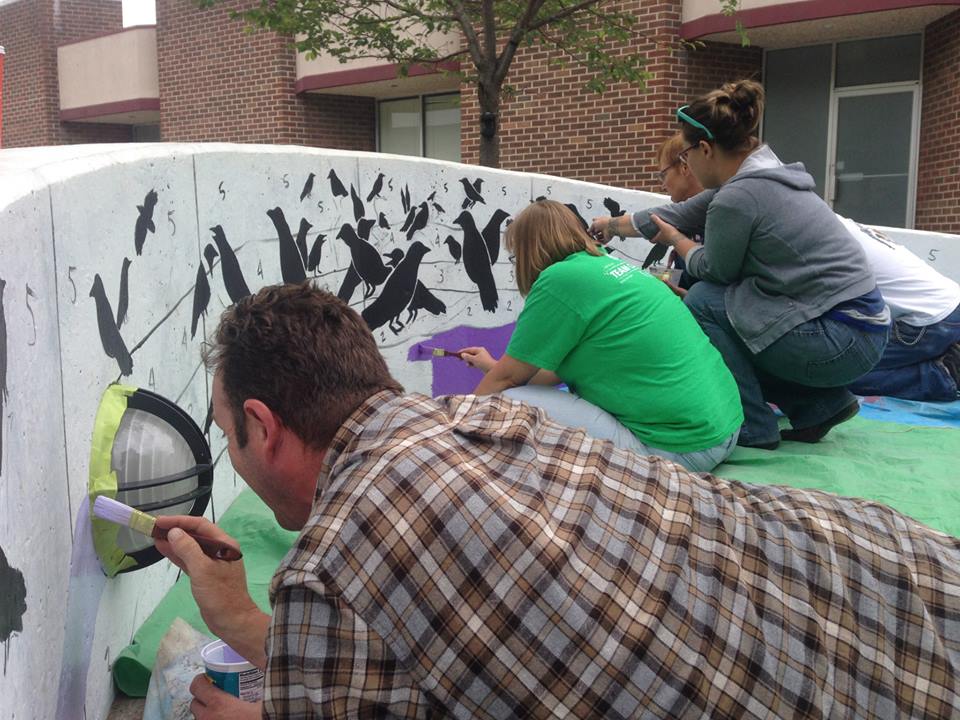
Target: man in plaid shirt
{"points": [[466, 557]]}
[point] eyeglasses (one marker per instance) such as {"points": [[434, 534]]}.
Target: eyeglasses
{"points": [[690, 121], [682, 155], [663, 173]]}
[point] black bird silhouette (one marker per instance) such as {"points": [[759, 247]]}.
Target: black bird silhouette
{"points": [[476, 261], [209, 253], [308, 187], [364, 226], [423, 299], [358, 211], [613, 207], [583, 223], [365, 259], [394, 257], [438, 208], [124, 299], [229, 267], [144, 220], [419, 221], [110, 338], [291, 265], [377, 187], [350, 281], [397, 291], [411, 214], [473, 193], [336, 187], [405, 198], [302, 239], [201, 299], [454, 247], [313, 261], [491, 233], [3, 366], [208, 421], [382, 221], [655, 255]]}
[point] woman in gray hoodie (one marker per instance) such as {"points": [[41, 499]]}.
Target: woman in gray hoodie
{"points": [[788, 297]]}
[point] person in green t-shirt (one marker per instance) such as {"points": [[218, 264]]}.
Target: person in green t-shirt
{"points": [[641, 373]]}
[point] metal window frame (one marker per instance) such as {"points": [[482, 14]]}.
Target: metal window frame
{"points": [[423, 116], [829, 182]]}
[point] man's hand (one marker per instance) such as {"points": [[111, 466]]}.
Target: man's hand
{"points": [[218, 586], [478, 357], [212, 703]]}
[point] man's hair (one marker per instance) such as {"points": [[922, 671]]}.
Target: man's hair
{"points": [[544, 233], [303, 353], [670, 150]]}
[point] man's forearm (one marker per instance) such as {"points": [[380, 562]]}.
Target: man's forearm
{"points": [[247, 634]]}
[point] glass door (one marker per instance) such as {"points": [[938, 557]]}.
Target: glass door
{"points": [[873, 154]]}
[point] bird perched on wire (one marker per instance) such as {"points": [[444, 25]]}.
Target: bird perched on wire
{"points": [[302, 238], [291, 262], [307, 187], [365, 259], [454, 247], [377, 187], [336, 187], [397, 291], [201, 299], [110, 338], [229, 267], [419, 220], [476, 261], [472, 191]]}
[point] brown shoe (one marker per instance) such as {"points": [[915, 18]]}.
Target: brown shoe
{"points": [[816, 433]]}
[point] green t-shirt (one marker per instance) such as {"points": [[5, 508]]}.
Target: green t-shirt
{"points": [[624, 342]]}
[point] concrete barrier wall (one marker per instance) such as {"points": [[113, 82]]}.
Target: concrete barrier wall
{"points": [[167, 236]]}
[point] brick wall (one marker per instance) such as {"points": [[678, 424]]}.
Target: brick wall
{"points": [[938, 179], [553, 125], [218, 83], [30, 32]]}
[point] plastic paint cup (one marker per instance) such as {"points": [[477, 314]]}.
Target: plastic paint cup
{"points": [[231, 672]]}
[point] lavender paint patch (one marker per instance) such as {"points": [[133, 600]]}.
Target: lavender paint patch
{"points": [[452, 376]]}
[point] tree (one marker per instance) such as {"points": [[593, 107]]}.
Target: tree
{"points": [[399, 31]]}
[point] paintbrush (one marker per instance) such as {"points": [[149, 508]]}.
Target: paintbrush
{"points": [[440, 352], [116, 512]]}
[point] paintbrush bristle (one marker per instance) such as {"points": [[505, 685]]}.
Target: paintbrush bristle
{"points": [[439, 352], [116, 512], [112, 510]]}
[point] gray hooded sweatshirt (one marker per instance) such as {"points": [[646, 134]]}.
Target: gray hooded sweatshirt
{"points": [[781, 251]]}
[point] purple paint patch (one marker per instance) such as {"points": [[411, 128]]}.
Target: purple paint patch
{"points": [[452, 376]]}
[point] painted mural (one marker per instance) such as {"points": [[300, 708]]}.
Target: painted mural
{"points": [[115, 264]]}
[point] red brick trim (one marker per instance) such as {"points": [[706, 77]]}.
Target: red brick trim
{"points": [[375, 73], [106, 34], [795, 12], [111, 108]]}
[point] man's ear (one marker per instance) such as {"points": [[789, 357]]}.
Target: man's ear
{"points": [[263, 427]]}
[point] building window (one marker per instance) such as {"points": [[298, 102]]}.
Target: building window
{"points": [[426, 126], [146, 133], [850, 112]]}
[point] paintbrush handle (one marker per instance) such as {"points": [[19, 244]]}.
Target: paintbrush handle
{"points": [[216, 549]]}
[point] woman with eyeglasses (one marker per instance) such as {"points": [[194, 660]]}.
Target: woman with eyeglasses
{"points": [[640, 370], [680, 184], [788, 298]]}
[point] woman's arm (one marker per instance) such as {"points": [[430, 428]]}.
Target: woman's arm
{"points": [[502, 374]]}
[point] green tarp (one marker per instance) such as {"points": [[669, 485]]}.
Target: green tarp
{"points": [[914, 469]]}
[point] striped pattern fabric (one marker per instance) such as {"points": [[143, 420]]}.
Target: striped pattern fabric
{"points": [[468, 558]]}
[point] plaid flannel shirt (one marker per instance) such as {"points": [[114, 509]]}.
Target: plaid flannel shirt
{"points": [[465, 557]]}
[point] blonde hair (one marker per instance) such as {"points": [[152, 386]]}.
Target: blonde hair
{"points": [[731, 113], [670, 150], [544, 233]]}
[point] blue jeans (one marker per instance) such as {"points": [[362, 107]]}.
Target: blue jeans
{"points": [[909, 368], [569, 409], [805, 372]]}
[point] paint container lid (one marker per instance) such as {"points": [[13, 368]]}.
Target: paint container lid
{"points": [[223, 658]]}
